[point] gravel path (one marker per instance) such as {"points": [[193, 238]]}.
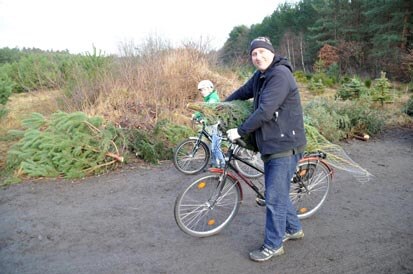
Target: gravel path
{"points": [[123, 222]]}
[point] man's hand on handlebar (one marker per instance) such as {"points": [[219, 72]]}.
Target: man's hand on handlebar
{"points": [[233, 134]]}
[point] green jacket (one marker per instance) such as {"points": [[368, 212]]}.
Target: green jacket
{"points": [[213, 97]]}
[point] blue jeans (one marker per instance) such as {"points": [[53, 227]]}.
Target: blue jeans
{"points": [[281, 214], [217, 157]]}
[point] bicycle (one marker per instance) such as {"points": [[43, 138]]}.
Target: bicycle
{"points": [[192, 155], [211, 202]]}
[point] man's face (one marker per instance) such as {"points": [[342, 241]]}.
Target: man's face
{"points": [[262, 58]]}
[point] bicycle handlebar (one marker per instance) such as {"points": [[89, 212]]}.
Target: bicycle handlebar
{"points": [[198, 121], [241, 142], [318, 153]]}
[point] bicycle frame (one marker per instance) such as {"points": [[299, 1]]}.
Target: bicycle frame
{"points": [[317, 156], [228, 165], [202, 133]]}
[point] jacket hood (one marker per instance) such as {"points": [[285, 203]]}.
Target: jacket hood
{"points": [[279, 60]]}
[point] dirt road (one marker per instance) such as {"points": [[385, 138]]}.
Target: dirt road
{"points": [[123, 223]]}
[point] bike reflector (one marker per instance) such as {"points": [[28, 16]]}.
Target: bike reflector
{"points": [[303, 210]]}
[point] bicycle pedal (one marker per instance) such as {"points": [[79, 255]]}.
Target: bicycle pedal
{"points": [[260, 202]]}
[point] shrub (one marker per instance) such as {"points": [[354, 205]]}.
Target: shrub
{"points": [[9, 55], [352, 89], [153, 146], [6, 89], [145, 147], [36, 71], [300, 76], [321, 114], [408, 108], [367, 83], [333, 72], [170, 133], [319, 66], [337, 119], [324, 78], [85, 79], [361, 116], [316, 86], [381, 90]]}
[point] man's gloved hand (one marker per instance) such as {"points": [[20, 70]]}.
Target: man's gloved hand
{"points": [[233, 134]]}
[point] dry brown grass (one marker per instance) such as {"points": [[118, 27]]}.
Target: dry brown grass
{"points": [[159, 86], [20, 106]]}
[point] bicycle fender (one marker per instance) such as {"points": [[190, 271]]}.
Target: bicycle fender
{"points": [[331, 171]]}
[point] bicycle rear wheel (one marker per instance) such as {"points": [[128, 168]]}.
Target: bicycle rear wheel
{"points": [[201, 211], [191, 156], [310, 186], [252, 157]]}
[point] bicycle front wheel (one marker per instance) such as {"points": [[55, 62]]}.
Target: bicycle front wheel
{"points": [[310, 186], [202, 210], [251, 157], [191, 156]]}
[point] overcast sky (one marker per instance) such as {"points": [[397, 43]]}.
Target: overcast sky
{"points": [[77, 25]]}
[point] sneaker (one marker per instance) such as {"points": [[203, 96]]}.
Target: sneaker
{"points": [[295, 236], [265, 253]]}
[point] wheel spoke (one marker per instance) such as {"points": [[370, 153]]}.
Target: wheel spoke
{"points": [[198, 210], [312, 189], [191, 157]]}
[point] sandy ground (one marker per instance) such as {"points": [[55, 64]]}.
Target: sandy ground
{"points": [[123, 223]]}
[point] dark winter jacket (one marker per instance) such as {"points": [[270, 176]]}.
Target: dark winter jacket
{"points": [[277, 120]]}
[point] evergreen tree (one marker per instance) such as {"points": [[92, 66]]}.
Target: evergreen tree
{"points": [[235, 48], [389, 31], [371, 35]]}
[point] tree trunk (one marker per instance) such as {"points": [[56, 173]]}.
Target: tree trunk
{"points": [[405, 32], [301, 51], [288, 48]]}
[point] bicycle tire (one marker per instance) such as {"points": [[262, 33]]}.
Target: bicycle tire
{"points": [[188, 161], [196, 213], [310, 186], [252, 157]]}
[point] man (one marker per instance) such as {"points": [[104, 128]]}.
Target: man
{"points": [[210, 95], [278, 127]]}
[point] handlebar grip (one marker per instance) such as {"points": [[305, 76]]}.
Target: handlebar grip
{"points": [[241, 142]]}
